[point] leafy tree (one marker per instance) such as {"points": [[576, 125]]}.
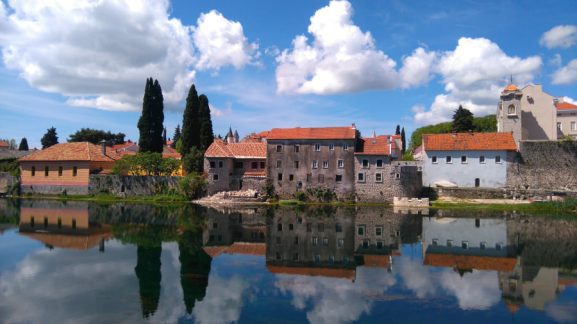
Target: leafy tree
{"points": [[146, 163], [193, 161], [403, 142], [190, 122], [485, 124], [398, 130], [206, 134], [23, 145], [192, 185], [50, 138], [176, 137], [96, 136], [151, 121], [462, 120]]}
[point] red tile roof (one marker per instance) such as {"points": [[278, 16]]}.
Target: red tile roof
{"points": [[68, 241], [218, 148], [511, 87], [377, 261], [78, 151], [312, 133], [4, 144], [378, 145], [566, 106], [466, 262], [306, 271], [169, 152], [237, 248], [469, 142], [255, 173]]}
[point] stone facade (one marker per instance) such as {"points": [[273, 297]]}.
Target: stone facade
{"points": [[8, 184], [127, 186]]}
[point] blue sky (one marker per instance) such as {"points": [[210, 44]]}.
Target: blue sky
{"points": [[267, 64]]}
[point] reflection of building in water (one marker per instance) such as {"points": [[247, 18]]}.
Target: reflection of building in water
{"points": [[63, 227]]}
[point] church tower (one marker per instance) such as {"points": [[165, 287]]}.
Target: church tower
{"points": [[509, 112]]}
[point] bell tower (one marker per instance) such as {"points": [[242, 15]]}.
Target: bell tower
{"points": [[509, 117]]}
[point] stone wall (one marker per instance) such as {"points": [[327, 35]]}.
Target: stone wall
{"points": [[8, 184], [126, 186], [400, 179], [254, 183], [544, 165], [499, 193]]}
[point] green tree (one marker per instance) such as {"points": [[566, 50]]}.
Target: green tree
{"points": [[95, 136], [462, 120], [190, 122], [206, 133], [398, 130], [50, 138], [176, 137], [403, 142], [23, 145], [193, 161], [192, 185], [146, 163], [151, 121]]}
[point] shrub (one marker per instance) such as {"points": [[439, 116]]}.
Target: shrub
{"points": [[192, 185], [300, 196]]}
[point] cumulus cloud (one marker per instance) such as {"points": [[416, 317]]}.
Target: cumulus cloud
{"points": [[562, 36], [566, 74], [476, 290], [416, 68], [223, 301], [473, 75], [99, 53]]}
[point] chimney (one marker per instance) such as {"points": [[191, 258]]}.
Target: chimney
{"points": [[103, 145], [353, 126]]}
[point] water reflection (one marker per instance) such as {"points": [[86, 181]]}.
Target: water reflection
{"points": [[317, 264]]}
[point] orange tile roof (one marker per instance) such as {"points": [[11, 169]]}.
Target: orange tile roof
{"points": [[378, 145], [313, 133], [71, 241], [306, 271], [469, 142], [255, 173], [377, 261], [78, 151], [169, 152], [124, 145], [237, 248], [4, 144], [214, 251], [566, 106], [465, 262], [218, 148], [511, 87]]}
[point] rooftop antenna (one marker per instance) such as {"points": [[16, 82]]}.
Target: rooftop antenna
{"points": [[511, 78]]}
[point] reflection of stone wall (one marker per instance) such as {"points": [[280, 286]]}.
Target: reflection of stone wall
{"points": [[126, 186]]}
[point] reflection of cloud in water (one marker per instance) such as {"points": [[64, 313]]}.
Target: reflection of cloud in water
{"points": [[563, 313], [336, 300], [417, 277], [223, 301]]}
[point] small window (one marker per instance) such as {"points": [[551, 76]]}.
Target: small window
{"points": [[498, 246], [315, 240], [340, 164], [277, 256], [379, 163], [360, 177], [45, 222], [279, 177], [449, 243], [296, 164], [338, 178], [291, 177], [325, 241], [59, 224], [361, 230], [482, 159], [46, 171], [278, 164], [279, 148], [33, 171], [434, 159], [366, 244], [559, 126], [435, 242], [345, 147], [262, 165], [465, 245], [331, 147], [291, 227], [32, 221], [380, 245], [215, 177], [279, 227], [74, 224], [338, 227], [378, 177], [365, 164], [483, 245], [296, 255], [317, 258], [220, 164], [254, 165], [573, 126], [59, 171], [297, 148], [463, 159], [379, 231], [317, 147], [74, 171], [212, 164], [397, 175], [340, 243], [511, 110], [238, 165], [498, 159], [325, 164], [322, 178], [449, 159], [315, 164]]}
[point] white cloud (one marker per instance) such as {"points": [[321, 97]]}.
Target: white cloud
{"points": [[566, 74], [562, 312], [570, 100], [473, 75], [557, 60], [416, 68], [476, 290], [222, 42], [223, 301], [99, 53], [562, 36]]}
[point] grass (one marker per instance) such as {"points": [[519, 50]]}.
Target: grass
{"points": [[566, 208], [104, 197]]}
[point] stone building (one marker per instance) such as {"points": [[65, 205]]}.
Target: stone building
{"points": [[566, 119], [467, 159]]}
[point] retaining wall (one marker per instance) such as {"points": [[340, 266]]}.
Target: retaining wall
{"points": [[126, 186]]}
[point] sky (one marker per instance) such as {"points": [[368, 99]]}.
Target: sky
{"points": [[72, 64]]}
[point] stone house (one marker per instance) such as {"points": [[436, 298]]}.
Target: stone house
{"points": [[566, 119], [4, 145], [307, 158], [64, 168], [467, 159], [234, 166]]}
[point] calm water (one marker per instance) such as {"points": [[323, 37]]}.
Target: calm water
{"points": [[91, 263]]}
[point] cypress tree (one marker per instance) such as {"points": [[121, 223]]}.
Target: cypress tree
{"points": [[398, 130], [145, 121], [158, 118], [462, 120], [50, 138], [190, 122], [164, 135], [206, 134], [151, 121], [23, 145], [177, 135], [403, 142]]}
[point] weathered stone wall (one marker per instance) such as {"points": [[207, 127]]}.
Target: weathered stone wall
{"points": [[400, 179], [8, 184], [498, 193], [254, 183], [222, 172], [53, 190], [126, 186], [544, 165]]}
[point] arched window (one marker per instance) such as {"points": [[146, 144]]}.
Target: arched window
{"points": [[511, 110]]}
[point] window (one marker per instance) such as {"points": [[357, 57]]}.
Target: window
{"points": [[325, 241], [433, 159], [215, 177], [296, 164], [498, 246], [498, 159], [32, 221], [379, 163], [482, 159], [291, 227], [483, 245], [279, 227], [380, 245], [254, 165], [361, 177], [511, 110], [315, 240], [366, 244], [449, 243], [59, 171], [379, 177], [325, 164], [435, 242], [317, 147], [238, 165], [345, 147], [262, 165], [559, 126], [74, 171], [379, 231], [331, 147], [365, 164], [465, 245], [309, 227], [463, 159], [397, 175], [297, 148], [338, 227], [340, 242], [278, 164], [340, 164], [321, 178], [339, 178], [46, 171], [573, 126], [220, 164], [449, 159], [279, 177], [317, 258], [315, 164], [291, 177], [212, 164], [279, 148], [361, 230], [33, 171]]}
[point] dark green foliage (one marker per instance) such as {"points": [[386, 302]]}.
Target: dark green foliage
{"points": [[193, 161], [403, 141], [95, 136], [192, 185], [23, 145], [191, 122], [176, 137], [146, 163], [398, 130], [206, 134], [10, 165], [462, 120], [486, 124], [321, 194], [151, 121], [50, 138], [194, 268], [164, 135], [149, 277], [300, 196]]}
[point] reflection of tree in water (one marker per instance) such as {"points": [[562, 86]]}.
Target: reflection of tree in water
{"points": [[148, 272], [194, 268]]}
